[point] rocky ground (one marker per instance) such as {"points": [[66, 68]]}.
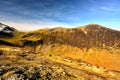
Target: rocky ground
{"points": [[16, 64]]}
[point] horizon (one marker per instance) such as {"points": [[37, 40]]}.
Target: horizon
{"points": [[31, 15], [1, 27]]}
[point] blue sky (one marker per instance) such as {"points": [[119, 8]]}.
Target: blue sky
{"points": [[27, 15]]}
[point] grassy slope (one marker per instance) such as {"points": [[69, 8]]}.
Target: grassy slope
{"points": [[18, 38], [94, 56]]}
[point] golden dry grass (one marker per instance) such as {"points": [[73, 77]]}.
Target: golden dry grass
{"points": [[95, 56]]}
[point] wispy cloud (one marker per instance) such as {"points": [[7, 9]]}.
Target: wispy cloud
{"points": [[105, 5], [30, 26], [32, 16], [60, 10], [106, 8], [93, 1]]}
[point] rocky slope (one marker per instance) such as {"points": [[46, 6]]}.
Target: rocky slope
{"points": [[92, 50], [7, 31]]}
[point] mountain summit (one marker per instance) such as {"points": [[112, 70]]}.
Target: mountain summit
{"points": [[6, 30]]}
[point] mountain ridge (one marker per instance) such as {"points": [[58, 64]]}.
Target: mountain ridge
{"points": [[92, 34]]}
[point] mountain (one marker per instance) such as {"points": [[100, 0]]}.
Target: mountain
{"points": [[91, 50], [6, 30]]}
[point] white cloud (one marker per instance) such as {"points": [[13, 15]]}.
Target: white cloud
{"points": [[34, 26], [110, 8]]}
